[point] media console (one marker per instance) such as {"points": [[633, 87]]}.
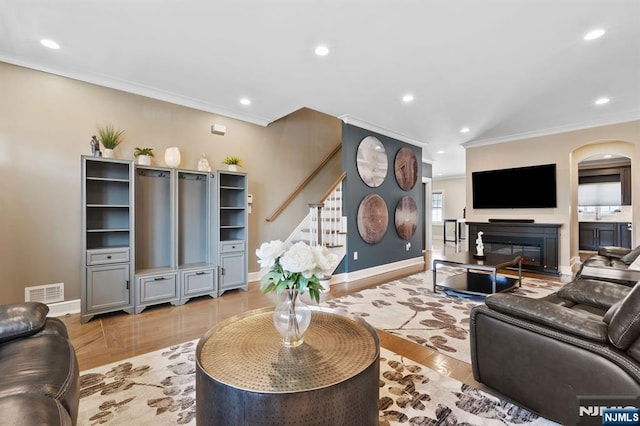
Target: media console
{"points": [[537, 243]]}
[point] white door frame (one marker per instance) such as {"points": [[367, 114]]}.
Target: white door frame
{"points": [[427, 213]]}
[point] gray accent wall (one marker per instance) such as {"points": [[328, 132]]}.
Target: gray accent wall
{"points": [[391, 248]]}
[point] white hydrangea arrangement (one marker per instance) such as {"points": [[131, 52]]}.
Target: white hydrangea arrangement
{"points": [[297, 267]]}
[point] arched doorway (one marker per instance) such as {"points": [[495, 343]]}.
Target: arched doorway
{"points": [[582, 154]]}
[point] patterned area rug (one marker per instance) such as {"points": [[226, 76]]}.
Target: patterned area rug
{"points": [[408, 308], [158, 388]]}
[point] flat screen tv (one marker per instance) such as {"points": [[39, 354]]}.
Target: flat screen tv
{"points": [[518, 188]]}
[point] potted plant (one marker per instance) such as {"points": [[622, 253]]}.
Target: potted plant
{"points": [[143, 155], [110, 138], [232, 163]]}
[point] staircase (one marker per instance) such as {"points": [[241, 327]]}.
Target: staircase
{"points": [[324, 225]]}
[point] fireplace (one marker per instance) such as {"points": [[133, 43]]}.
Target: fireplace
{"points": [[530, 249], [537, 243]]}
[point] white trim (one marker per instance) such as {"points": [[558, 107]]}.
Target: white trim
{"points": [[349, 119], [428, 220], [566, 270], [150, 92], [346, 277], [380, 269], [256, 276], [623, 117], [63, 308]]}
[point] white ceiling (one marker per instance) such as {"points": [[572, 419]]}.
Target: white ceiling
{"points": [[506, 69]]}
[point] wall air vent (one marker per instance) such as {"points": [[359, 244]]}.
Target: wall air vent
{"points": [[45, 293]]}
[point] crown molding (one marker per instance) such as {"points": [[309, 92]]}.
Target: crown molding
{"points": [[141, 90], [354, 121], [623, 117]]}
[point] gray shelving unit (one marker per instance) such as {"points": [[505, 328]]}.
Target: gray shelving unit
{"points": [[230, 233], [156, 235], [107, 236]]}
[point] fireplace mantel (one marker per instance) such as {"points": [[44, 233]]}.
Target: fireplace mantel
{"points": [[510, 233]]}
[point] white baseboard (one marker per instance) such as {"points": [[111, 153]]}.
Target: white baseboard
{"points": [[363, 273], [376, 270], [63, 308]]}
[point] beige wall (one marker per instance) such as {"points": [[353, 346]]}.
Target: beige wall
{"points": [[454, 191], [564, 149], [46, 123]]}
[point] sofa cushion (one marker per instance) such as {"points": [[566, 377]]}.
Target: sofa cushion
{"points": [[597, 260], [21, 319], [611, 311], [624, 327], [631, 256], [42, 365], [29, 409], [615, 263], [613, 252], [550, 315], [602, 294]]}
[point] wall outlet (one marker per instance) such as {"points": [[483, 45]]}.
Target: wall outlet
{"points": [[355, 255]]}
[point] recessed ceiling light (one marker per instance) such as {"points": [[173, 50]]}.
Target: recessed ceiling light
{"points": [[592, 35], [465, 130], [407, 98], [602, 101], [322, 50], [50, 44], [245, 101], [442, 151]]}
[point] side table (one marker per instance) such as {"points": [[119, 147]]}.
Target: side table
{"points": [[245, 375]]}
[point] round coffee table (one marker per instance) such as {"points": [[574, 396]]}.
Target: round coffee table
{"points": [[245, 375]]}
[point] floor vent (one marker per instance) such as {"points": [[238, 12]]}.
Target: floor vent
{"points": [[45, 293]]}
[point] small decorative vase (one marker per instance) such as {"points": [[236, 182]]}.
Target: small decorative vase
{"points": [[292, 318], [172, 156], [107, 153], [232, 167]]}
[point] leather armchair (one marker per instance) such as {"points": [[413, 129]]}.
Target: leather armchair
{"points": [[39, 376], [554, 354]]}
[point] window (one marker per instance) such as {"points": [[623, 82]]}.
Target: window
{"points": [[436, 207]]}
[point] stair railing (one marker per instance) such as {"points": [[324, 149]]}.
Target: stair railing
{"points": [[323, 225], [303, 184]]}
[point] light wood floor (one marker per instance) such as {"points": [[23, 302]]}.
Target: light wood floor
{"points": [[113, 337]]}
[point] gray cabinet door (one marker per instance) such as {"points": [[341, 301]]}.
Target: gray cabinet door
{"points": [[233, 271], [108, 287]]}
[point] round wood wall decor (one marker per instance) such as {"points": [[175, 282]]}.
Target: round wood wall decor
{"points": [[406, 168], [406, 218], [371, 161], [373, 218]]}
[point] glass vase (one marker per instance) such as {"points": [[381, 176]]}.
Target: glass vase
{"points": [[291, 318]]}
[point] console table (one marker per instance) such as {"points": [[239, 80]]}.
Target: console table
{"points": [[457, 229], [245, 375]]}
